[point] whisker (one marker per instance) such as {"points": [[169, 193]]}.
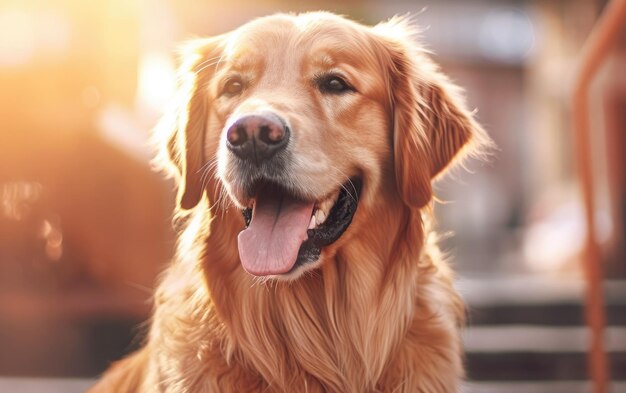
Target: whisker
{"points": [[220, 193], [208, 168], [223, 201], [207, 60], [354, 194], [208, 63]]}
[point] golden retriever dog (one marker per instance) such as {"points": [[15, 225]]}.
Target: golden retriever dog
{"points": [[305, 147]]}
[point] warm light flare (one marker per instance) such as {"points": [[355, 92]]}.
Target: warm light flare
{"points": [[26, 35], [17, 198], [17, 37], [157, 82]]}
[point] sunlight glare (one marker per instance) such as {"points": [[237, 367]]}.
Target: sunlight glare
{"points": [[157, 82]]}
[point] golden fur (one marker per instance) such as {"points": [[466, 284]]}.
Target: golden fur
{"points": [[378, 312]]}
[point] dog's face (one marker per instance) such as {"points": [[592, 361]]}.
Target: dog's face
{"points": [[302, 120]]}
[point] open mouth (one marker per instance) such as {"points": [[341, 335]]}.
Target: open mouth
{"points": [[284, 232]]}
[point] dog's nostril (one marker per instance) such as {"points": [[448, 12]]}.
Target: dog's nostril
{"points": [[271, 134], [237, 135]]}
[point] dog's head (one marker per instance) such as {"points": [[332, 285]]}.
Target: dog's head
{"points": [[304, 122]]}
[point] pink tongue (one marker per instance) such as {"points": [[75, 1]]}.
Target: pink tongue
{"points": [[278, 227]]}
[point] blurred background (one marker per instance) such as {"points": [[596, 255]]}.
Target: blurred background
{"points": [[85, 223]]}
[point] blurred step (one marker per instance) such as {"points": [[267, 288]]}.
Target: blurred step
{"points": [[44, 385], [540, 339], [546, 314], [532, 329], [537, 387], [524, 290], [535, 353], [537, 366]]}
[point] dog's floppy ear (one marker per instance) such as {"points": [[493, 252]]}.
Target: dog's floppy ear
{"points": [[411, 147], [430, 123], [181, 131], [450, 127]]}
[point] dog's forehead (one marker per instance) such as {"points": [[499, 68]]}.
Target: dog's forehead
{"points": [[323, 40]]}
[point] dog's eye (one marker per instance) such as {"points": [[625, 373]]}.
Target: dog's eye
{"points": [[233, 87], [333, 84]]}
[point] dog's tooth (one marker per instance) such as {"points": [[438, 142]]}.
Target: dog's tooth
{"points": [[327, 204], [312, 224], [320, 216]]}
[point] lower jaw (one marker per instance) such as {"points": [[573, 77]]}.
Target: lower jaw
{"points": [[307, 255], [342, 212]]}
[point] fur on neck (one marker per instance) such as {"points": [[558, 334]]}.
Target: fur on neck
{"points": [[341, 328]]}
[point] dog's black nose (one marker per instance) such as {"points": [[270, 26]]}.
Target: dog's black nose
{"points": [[257, 137]]}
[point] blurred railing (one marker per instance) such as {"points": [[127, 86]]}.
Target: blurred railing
{"points": [[598, 45]]}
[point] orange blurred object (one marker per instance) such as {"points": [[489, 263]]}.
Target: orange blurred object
{"points": [[602, 39]]}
